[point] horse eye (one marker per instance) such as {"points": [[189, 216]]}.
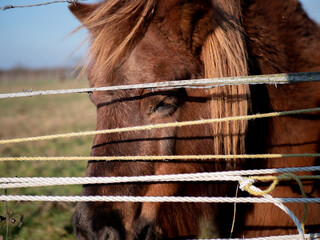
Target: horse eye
{"points": [[166, 106]]}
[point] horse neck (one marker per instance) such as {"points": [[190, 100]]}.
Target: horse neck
{"points": [[288, 41], [284, 35], [281, 38]]}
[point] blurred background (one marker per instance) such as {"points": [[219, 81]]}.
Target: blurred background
{"points": [[37, 52]]}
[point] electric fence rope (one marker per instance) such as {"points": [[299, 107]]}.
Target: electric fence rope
{"points": [[245, 187], [155, 199], [192, 83], [6, 183], [164, 125], [246, 183], [39, 4], [277, 201], [162, 157], [311, 236]]}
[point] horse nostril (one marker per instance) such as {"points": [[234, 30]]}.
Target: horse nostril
{"points": [[107, 236], [110, 234], [144, 233], [147, 232]]}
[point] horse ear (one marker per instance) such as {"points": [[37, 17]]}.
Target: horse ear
{"points": [[82, 11], [219, 36], [189, 21], [202, 29]]}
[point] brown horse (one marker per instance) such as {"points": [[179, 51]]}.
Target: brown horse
{"points": [[161, 40]]}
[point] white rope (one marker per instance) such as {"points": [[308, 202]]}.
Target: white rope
{"points": [[311, 236], [245, 182], [192, 83], [271, 79], [169, 199], [6, 7], [6, 183], [40, 182]]}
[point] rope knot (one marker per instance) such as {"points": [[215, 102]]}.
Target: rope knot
{"points": [[246, 183]]}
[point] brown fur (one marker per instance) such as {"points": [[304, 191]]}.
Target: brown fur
{"points": [[283, 39], [150, 41]]}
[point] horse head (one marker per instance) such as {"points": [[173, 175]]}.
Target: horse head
{"points": [[148, 41], [158, 40]]}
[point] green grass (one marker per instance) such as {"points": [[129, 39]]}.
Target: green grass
{"points": [[43, 115]]}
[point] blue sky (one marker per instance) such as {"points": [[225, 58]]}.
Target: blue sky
{"points": [[39, 37]]}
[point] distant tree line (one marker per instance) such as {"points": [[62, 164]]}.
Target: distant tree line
{"points": [[20, 73]]}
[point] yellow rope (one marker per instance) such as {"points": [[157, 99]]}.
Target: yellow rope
{"points": [[159, 158], [276, 180], [156, 126]]}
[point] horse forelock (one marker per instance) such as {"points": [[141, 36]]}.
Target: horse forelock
{"points": [[224, 55], [115, 26]]}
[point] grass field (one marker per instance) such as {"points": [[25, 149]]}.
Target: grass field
{"points": [[36, 116]]}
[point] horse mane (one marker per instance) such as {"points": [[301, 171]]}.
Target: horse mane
{"points": [[224, 55], [116, 26]]}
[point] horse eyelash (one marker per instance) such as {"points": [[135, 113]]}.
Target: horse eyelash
{"points": [[164, 106]]}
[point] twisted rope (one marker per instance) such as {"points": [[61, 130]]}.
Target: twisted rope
{"points": [[275, 181], [244, 187], [39, 4], [312, 236], [162, 157], [155, 199], [247, 186], [163, 125], [192, 83], [6, 183]]}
